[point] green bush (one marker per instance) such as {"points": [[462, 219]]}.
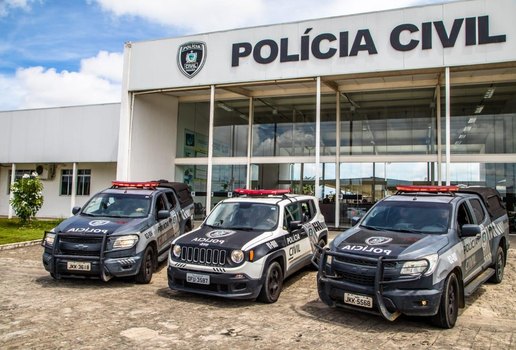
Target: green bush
{"points": [[27, 197]]}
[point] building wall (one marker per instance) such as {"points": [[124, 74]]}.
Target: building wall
{"points": [[444, 35], [56, 205], [56, 135], [153, 138]]}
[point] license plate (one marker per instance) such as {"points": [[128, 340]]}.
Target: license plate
{"points": [[197, 278], [358, 300], [78, 266]]}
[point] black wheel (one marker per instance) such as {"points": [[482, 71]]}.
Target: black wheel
{"points": [[498, 266], [144, 275], [449, 305], [271, 288]]}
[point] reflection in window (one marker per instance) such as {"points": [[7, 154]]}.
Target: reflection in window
{"points": [[483, 118], [388, 122], [284, 126]]}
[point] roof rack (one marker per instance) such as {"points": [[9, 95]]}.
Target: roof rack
{"points": [[261, 192], [427, 189]]}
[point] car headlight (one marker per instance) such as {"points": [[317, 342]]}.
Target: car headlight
{"points": [[125, 242], [237, 256], [176, 251], [49, 239], [417, 267]]}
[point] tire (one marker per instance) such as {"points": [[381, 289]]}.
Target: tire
{"points": [[449, 304], [498, 266], [144, 275], [272, 285]]}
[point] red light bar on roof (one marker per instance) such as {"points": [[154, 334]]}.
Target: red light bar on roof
{"points": [[427, 188], [147, 184], [260, 192]]}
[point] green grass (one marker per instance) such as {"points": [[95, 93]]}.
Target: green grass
{"points": [[12, 231]]}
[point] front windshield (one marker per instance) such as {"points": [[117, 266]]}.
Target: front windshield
{"points": [[118, 206], [244, 215], [409, 217]]}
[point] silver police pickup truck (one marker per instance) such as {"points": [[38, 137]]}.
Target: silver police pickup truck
{"points": [[122, 231], [419, 253]]}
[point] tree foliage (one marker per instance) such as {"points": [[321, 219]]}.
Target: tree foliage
{"points": [[27, 197]]}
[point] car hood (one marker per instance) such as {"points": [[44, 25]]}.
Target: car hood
{"points": [[87, 224], [371, 243], [214, 237]]}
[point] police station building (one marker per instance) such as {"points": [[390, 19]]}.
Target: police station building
{"points": [[344, 107]]}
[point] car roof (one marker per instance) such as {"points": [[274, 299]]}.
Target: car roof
{"points": [[140, 192]]}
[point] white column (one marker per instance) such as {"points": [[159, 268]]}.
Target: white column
{"points": [[318, 138], [439, 138], [210, 150], [448, 132], [74, 187], [337, 161], [11, 196], [249, 142]]}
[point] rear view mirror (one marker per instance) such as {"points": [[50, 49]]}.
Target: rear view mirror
{"points": [[163, 214], [294, 225], [75, 210], [469, 230]]}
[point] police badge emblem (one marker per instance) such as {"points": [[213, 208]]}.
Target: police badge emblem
{"points": [[191, 57]]}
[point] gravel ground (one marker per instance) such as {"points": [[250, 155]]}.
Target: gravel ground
{"points": [[40, 313]]}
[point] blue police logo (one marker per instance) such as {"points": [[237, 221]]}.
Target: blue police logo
{"points": [[191, 57]]}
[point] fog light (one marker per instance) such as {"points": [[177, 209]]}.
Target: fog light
{"points": [[239, 276], [424, 302]]}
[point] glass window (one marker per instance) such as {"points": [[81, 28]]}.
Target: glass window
{"points": [[230, 128], [117, 205], [18, 175], [292, 213], [284, 126], [483, 118], [193, 128], [83, 182], [66, 182], [388, 122], [195, 176], [477, 210]]}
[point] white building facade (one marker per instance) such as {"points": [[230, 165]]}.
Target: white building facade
{"points": [[74, 150], [344, 107]]}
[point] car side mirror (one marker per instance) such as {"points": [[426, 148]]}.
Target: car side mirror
{"points": [[294, 225], [163, 214], [75, 210], [469, 230], [355, 220]]}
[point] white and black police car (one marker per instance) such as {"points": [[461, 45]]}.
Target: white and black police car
{"points": [[419, 253], [122, 231], [248, 245]]}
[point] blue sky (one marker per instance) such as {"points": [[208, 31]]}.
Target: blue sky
{"points": [[69, 52]]}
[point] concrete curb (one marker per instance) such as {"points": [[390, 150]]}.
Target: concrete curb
{"points": [[19, 244]]}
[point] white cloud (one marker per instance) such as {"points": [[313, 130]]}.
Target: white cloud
{"points": [[7, 5], [197, 16], [98, 81]]}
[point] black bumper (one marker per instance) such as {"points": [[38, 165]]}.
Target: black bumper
{"points": [[234, 286], [102, 263], [390, 296]]}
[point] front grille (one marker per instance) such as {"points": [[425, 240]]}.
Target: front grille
{"points": [[204, 256], [79, 246], [363, 262]]}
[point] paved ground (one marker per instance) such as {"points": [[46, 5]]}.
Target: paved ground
{"points": [[37, 312]]}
